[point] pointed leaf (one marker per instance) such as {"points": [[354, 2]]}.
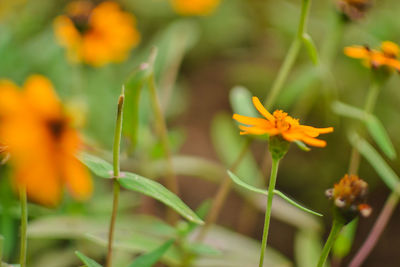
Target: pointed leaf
{"points": [[142, 185], [388, 176], [343, 109], [157, 191], [149, 259], [380, 136], [302, 146], [238, 181], [86, 260], [311, 49], [343, 243]]}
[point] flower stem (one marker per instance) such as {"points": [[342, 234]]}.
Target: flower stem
{"points": [[377, 230], [1, 248], [172, 181], [24, 224], [368, 109], [271, 188], [116, 170], [336, 227], [291, 56]]}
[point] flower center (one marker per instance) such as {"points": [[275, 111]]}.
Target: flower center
{"points": [[281, 122], [56, 127], [79, 12]]}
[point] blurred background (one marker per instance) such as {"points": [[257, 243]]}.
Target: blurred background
{"points": [[200, 59]]}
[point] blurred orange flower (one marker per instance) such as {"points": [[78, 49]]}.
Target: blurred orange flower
{"points": [[387, 55], [194, 7], [41, 142], [279, 123], [96, 35]]}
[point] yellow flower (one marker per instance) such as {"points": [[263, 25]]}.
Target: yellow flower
{"points": [[279, 123], [96, 35], [41, 142], [349, 196], [387, 55], [354, 9], [194, 7]]}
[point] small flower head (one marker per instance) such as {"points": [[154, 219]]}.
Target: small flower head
{"points": [[386, 56], [194, 7], [38, 135], [354, 9], [349, 197], [96, 35], [280, 124]]}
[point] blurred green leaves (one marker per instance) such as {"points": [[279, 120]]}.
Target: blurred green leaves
{"points": [[86, 260], [149, 259]]}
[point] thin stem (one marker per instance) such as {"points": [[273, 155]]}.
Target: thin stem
{"points": [[1, 248], [291, 56], [368, 109], [376, 231], [116, 170], [24, 224], [172, 181], [271, 188], [336, 227], [222, 194]]}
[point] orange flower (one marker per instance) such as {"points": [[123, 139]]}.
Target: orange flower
{"points": [[387, 55], [354, 9], [279, 123], [41, 142], [96, 35], [194, 7]]}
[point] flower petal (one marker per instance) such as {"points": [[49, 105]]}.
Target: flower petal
{"points": [[356, 51], [250, 120], [262, 110]]}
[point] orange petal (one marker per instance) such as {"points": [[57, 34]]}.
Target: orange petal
{"points": [[262, 110], [313, 141], [314, 132], [356, 52], [394, 63], [10, 97], [40, 95], [77, 178], [258, 130], [250, 120]]}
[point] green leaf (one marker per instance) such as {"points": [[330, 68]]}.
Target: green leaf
{"points": [[380, 136], [388, 176], [307, 248], [311, 49], [238, 181], [157, 191], [302, 146], [240, 99], [86, 260], [149, 259], [142, 185], [344, 241], [374, 126], [97, 165], [202, 249], [1, 247]]}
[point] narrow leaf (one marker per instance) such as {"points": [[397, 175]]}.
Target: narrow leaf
{"points": [[157, 191], [307, 248], [380, 136], [238, 181], [388, 176], [86, 260], [344, 241], [302, 146], [343, 109], [149, 259], [142, 185], [311, 49]]}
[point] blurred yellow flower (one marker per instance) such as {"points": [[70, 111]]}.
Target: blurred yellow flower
{"points": [[194, 7], [41, 142], [96, 35], [279, 123], [387, 56], [354, 9]]}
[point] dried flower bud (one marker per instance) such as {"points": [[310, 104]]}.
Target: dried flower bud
{"points": [[354, 9], [349, 197]]}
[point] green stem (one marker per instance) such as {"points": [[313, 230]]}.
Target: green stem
{"points": [[24, 224], [368, 108], [1, 249], [291, 56], [336, 227], [172, 181], [271, 188], [116, 170]]}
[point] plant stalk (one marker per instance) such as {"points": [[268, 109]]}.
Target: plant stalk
{"points": [[24, 224], [116, 170], [335, 230], [271, 188], [171, 179], [377, 230]]}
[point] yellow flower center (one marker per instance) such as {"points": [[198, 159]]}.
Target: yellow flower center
{"points": [[57, 127], [281, 122]]}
